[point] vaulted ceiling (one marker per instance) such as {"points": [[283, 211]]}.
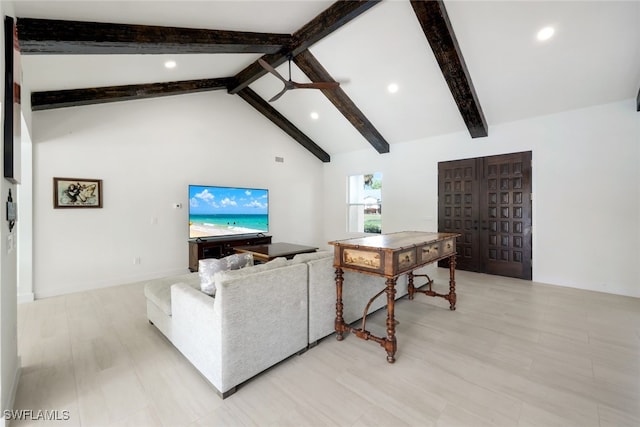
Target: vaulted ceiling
{"points": [[460, 66]]}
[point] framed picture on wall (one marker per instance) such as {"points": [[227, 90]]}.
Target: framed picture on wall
{"points": [[77, 193]]}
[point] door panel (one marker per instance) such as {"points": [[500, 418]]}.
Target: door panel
{"points": [[488, 201], [506, 215], [458, 210]]}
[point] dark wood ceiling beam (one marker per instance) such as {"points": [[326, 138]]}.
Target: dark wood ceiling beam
{"points": [[100, 95], [46, 36], [436, 25], [279, 120], [328, 21], [331, 19], [317, 73]]}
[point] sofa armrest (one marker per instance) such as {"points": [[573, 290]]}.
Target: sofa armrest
{"points": [[196, 330]]}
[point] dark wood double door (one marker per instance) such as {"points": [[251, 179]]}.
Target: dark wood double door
{"points": [[487, 200]]}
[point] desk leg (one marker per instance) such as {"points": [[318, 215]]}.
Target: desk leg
{"points": [[410, 287], [452, 282], [390, 344], [339, 323]]}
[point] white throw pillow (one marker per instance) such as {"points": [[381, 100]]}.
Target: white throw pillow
{"points": [[229, 275], [207, 268]]}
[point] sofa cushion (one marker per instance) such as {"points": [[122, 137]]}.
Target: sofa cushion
{"points": [[158, 291], [207, 268], [231, 274]]}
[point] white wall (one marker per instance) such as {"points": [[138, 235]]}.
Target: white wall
{"points": [[25, 224], [586, 214], [586, 184], [147, 152]]}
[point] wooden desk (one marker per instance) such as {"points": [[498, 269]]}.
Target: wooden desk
{"points": [[390, 256], [266, 253]]}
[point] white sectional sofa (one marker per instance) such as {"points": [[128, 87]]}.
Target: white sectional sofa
{"points": [[257, 318], [259, 315]]}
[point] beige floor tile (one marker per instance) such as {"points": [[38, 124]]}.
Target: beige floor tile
{"points": [[542, 416], [611, 417], [514, 353]]}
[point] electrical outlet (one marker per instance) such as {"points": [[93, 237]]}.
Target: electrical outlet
{"points": [[136, 260], [10, 243]]}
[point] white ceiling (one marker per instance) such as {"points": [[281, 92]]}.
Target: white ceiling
{"points": [[594, 58]]}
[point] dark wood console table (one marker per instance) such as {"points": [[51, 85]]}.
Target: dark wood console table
{"points": [[268, 252], [390, 256], [220, 247]]}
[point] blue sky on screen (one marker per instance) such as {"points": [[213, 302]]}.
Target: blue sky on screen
{"points": [[225, 200]]}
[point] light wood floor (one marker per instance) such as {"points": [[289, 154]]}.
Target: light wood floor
{"points": [[513, 354]]}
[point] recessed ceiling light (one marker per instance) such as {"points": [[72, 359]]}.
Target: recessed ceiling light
{"points": [[393, 88], [545, 34], [170, 64], [314, 115]]}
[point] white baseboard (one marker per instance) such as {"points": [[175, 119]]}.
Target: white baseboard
{"points": [[48, 293], [28, 297]]}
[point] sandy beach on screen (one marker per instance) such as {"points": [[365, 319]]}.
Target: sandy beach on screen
{"points": [[210, 230]]}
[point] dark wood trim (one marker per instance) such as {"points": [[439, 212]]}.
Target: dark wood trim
{"points": [[100, 95], [279, 120], [331, 19], [436, 25], [8, 119], [638, 101], [46, 36], [316, 72], [254, 71]]}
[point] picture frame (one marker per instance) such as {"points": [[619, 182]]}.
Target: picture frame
{"points": [[77, 193]]}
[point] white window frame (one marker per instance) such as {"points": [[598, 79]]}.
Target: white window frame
{"points": [[361, 202]]}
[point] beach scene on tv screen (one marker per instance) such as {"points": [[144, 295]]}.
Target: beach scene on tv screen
{"points": [[224, 211]]}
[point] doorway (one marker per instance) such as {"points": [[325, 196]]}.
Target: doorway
{"points": [[487, 200]]}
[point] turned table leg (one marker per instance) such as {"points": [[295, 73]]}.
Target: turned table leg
{"points": [[410, 287], [339, 323], [390, 344], [452, 282]]}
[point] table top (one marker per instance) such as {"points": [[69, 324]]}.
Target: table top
{"points": [[275, 250], [397, 240]]}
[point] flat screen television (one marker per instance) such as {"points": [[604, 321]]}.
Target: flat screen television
{"points": [[227, 211]]}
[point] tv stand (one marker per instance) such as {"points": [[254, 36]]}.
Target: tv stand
{"points": [[220, 247]]}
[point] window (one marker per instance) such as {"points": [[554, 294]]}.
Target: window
{"points": [[365, 203]]}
